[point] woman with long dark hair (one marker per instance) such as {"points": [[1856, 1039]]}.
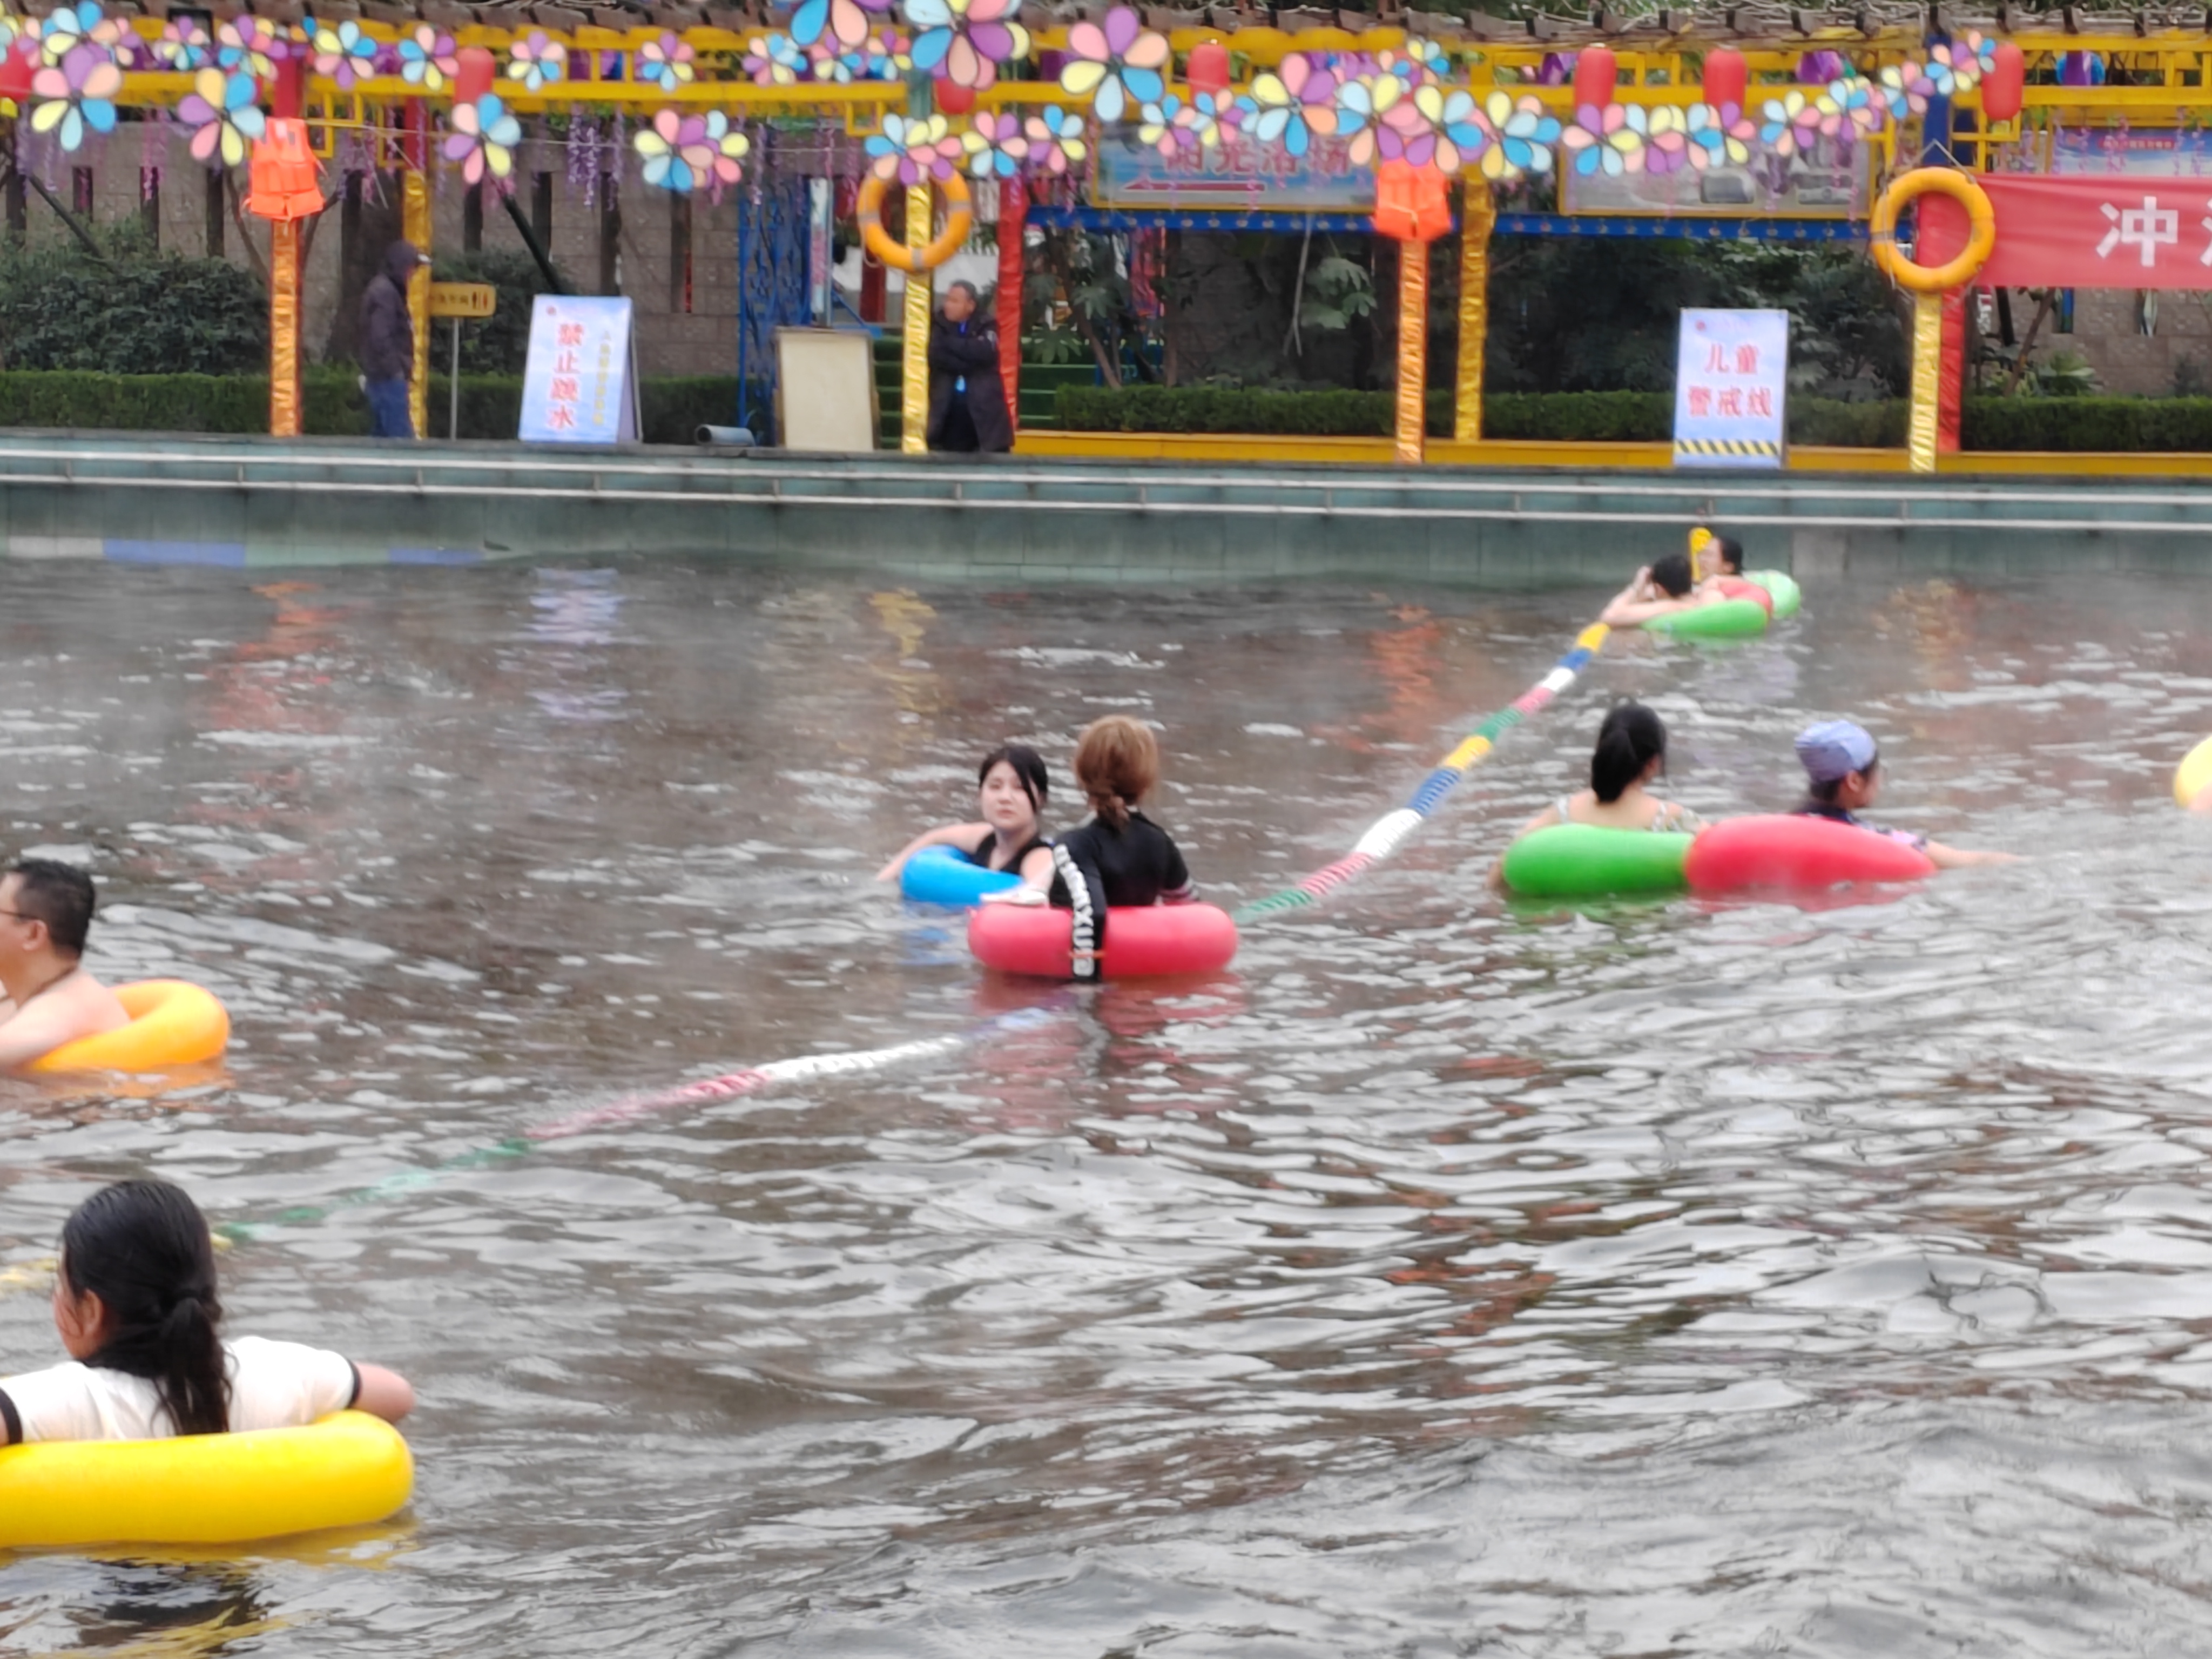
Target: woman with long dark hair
{"points": [[136, 1307], [1010, 787], [1631, 754]]}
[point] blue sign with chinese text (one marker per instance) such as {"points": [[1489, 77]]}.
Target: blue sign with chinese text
{"points": [[577, 385], [1730, 380]]}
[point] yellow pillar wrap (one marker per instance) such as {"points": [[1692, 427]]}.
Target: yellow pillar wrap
{"points": [[415, 226], [914, 361], [284, 328], [1413, 350], [1478, 216], [1927, 376]]}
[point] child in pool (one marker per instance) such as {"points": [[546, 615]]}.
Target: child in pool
{"points": [[1011, 790], [1631, 753], [1843, 768], [135, 1305], [1718, 561], [1661, 588]]}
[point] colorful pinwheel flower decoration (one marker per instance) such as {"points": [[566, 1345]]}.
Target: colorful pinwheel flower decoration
{"points": [[966, 40], [1291, 105], [1666, 138], [1789, 123], [1956, 67], [1717, 137], [427, 59], [1855, 103], [1905, 89], [1121, 64], [908, 150], [775, 60], [1605, 140], [995, 144], [683, 152], [184, 47], [884, 56], [483, 140], [1524, 135], [537, 60], [845, 22], [1056, 141], [1204, 117], [67, 27], [666, 63], [1159, 126], [76, 94], [251, 43], [343, 54], [224, 119]]}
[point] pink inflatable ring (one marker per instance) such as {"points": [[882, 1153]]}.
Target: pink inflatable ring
{"points": [[1787, 851]]}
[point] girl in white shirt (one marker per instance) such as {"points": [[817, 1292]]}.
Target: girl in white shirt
{"points": [[135, 1305]]}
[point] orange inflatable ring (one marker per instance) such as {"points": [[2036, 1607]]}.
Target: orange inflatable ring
{"points": [[958, 221], [173, 1022], [1981, 234]]}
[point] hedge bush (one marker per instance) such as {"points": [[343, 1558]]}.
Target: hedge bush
{"points": [[491, 404], [1556, 416], [2151, 424]]}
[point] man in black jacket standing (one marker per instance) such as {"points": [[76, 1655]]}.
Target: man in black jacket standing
{"points": [[966, 398], [387, 341]]}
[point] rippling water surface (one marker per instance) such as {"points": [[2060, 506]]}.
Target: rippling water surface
{"points": [[1678, 1278]]}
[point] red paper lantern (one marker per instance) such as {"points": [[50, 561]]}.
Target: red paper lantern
{"points": [[2002, 86], [1208, 67], [1726, 78], [1596, 73], [477, 71], [953, 99], [16, 69], [1410, 203]]}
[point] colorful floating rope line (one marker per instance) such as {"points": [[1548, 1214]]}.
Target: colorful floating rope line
{"points": [[1389, 832]]}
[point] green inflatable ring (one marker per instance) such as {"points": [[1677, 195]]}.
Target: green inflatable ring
{"points": [[1781, 587], [1725, 619], [1580, 860]]}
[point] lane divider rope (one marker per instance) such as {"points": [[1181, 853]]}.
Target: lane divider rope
{"points": [[1390, 832]]}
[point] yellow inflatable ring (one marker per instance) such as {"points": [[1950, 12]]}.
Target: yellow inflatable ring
{"points": [[1981, 235], [172, 1022], [2194, 776], [348, 1470], [868, 209]]}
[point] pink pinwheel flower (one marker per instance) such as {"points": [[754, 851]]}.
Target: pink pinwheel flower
{"points": [[1119, 65], [966, 40]]}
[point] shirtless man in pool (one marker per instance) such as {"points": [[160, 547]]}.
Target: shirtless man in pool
{"points": [[46, 912]]}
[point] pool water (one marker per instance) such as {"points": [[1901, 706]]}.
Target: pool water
{"points": [[1450, 1277]]}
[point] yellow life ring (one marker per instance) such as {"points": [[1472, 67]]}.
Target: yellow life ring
{"points": [[347, 1470], [2194, 776], [868, 209], [172, 1022], [1981, 234]]}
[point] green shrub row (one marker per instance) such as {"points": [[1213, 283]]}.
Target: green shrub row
{"points": [[1556, 416], [491, 404], [2120, 425]]}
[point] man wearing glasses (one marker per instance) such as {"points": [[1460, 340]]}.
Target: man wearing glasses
{"points": [[46, 912]]}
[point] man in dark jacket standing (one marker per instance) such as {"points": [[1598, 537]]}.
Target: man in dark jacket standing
{"points": [[387, 341], [966, 398]]}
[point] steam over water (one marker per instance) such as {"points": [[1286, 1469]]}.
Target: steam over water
{"points": [[1448, 1277]]}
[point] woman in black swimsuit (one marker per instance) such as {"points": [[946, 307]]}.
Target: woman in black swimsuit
{"points": [[1011, 790]]}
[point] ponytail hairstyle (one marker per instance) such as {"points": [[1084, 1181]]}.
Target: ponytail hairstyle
{"points": [[1671, 574], [142, 1247], [1029, 768], [1117, 761], [1631, 736]]}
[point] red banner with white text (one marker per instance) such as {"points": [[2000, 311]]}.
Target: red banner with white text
{"points": [[2115, 231]]}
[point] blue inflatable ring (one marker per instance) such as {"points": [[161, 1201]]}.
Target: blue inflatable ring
{"points": [[943, 875]]}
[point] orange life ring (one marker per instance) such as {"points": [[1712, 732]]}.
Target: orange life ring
{"points": [[1981, 234], [958, 221]]}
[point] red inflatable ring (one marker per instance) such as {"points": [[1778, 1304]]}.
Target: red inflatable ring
{"points": [[1147, 943], [1779, 851]]}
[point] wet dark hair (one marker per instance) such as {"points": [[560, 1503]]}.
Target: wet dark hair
{"points": [[1627, 743], [142, 1247], [1731, 554], [1671, 574], [1826, 790], [59, 895], [1029, 767]]}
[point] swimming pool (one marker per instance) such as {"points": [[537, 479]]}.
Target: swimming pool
{"points": [[1681, 1276]]}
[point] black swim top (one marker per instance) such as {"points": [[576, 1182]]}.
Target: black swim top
{"points": [[980, 854], [1095, 867]]}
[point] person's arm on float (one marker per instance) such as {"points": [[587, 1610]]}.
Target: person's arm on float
{"points": [[1959, 858], [382, 1393], [1544, 820], [962, 835], [36, 1030]]}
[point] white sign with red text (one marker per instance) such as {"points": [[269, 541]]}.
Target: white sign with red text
{"points": [[1731, 382], [577, 382]]}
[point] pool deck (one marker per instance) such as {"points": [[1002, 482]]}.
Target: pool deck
{"points": [[1039, 518]]}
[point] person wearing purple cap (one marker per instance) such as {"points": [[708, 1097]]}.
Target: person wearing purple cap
{"points": [[1843, 771]]}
